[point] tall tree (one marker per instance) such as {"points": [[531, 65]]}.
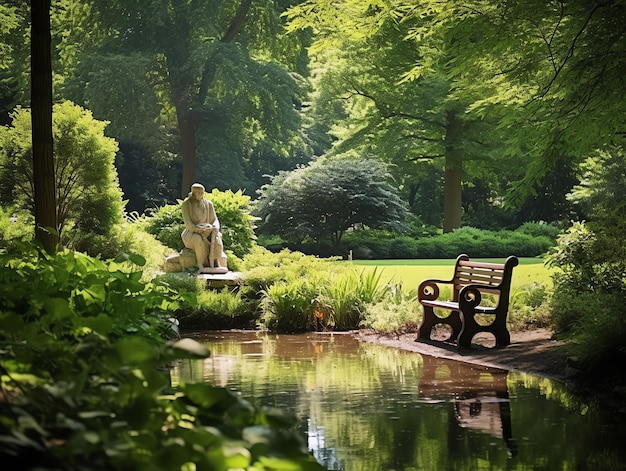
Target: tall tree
{"points": [[551, 72], [198, 57], [412, 124], [558, 68], [41, 104]]}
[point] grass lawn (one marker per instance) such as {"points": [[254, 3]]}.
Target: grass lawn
{"points": [[411, 272]]}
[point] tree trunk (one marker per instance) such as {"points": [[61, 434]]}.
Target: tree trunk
{"points": [[41, 115], [187, 119], [452, 209], [187, 129]]}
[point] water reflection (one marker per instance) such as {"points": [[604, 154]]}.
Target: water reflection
{"points": [[365, 407]]}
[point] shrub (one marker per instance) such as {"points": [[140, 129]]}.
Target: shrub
{"points": [[530, 307], [479, 243], [89, 200], [301, 292], [15, 225], [166, 223], [397, 313], [539, 229], [84, 386]]}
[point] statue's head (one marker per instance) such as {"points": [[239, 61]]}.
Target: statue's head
{"points": [[197, 191]]}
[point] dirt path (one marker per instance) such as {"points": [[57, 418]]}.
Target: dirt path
{"points": [[532, 351]]}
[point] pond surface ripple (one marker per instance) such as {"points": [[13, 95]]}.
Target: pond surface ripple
{"points": [[366, 407]]}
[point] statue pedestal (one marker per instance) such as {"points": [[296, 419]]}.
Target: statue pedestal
{"points": [[222, 280], [214, 271]]}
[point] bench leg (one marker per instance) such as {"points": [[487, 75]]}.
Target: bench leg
{"points": [[428, 322], [471, 328], [431, 319], [503, 337]]}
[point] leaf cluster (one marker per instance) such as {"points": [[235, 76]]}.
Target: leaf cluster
{"points": [[87, 195], [233, 212], [82, 357]]}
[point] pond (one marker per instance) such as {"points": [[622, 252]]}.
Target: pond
{"points": [[366, 407]]}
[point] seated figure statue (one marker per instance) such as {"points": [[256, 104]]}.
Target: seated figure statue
{"points": [[202, 231]]}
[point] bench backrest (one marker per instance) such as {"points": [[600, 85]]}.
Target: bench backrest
{"points": [[495, 277]]}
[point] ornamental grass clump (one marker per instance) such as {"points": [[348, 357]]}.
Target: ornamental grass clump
{"points": [[288, 306]]}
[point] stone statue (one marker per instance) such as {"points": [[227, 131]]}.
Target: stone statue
{"points": [[202, 231]]}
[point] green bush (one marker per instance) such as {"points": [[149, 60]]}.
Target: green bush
{"points": [[82, 355], [376, 244], [89, 200], [540, 229], [301, 292], [288, 306], [210, 309], [166, 224], [529, 307], [589, 295], [397, 312], [237, 225]]}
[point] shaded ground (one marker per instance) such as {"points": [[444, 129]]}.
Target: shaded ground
{"points": [[532, 351]]}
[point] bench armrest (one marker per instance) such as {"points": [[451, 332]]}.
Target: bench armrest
{"points": [[471, 295], [429, 289]]}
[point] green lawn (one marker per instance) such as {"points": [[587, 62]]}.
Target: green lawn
{"points": [[411, 272]]}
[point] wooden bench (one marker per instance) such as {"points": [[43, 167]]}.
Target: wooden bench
{"points": [[469, 282]]}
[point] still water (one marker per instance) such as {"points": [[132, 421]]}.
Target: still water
{"points": [[365, 407]]}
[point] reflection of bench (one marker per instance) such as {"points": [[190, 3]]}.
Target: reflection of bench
{"points": [[480, 396], [469, 282]]}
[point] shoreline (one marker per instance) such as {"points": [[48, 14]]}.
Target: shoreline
{"points": [[532, 351]]}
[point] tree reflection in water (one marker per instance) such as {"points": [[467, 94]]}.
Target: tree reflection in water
{"points": [[366, 407]]}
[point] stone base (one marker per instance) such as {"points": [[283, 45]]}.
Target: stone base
{"points": [[180, 261], [221, 280], [214, 270]]}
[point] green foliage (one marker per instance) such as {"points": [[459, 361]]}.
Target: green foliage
{"points": [[589, 294], [196, 63], [396, 313], [288, 306], [322, 201], [82, 358], [127, 237], [232, 208], [218, 309], [89, 200], [212, 309], [601, 195], [539, 229], [346, 296], [15, 224], [166, 224], [530, 307], [372, 244], [237, 224], [597, 334], [301, 292]]}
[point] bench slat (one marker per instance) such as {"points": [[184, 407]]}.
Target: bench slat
{"points": [[496, 266]]}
